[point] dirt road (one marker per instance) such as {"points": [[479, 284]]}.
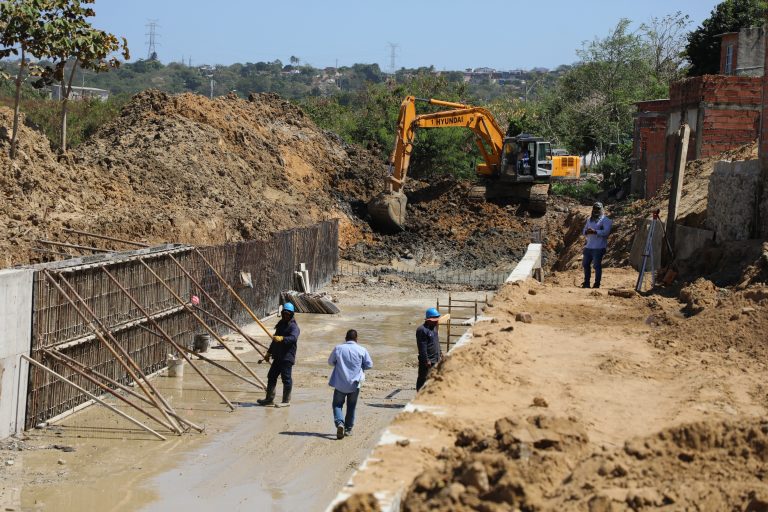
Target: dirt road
{"points": [[576, 384], [255, 458]]}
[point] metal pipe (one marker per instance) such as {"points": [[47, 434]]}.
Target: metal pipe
{"points": [[232, 323], [93, 397], [202, 323], [104, 237], [209, 361], [120, 385], [167, 338], [103, 387], [72, 246], [109, 346]]}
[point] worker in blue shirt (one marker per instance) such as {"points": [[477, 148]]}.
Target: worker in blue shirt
{"points": [[428, 345], [596, 229], [349, 361], [282, 350]]}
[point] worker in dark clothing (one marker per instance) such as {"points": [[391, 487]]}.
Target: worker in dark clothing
{"points": [[282, 350], [428, 344]]}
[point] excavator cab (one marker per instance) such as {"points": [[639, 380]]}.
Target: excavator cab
{"points": [[526, 159]]}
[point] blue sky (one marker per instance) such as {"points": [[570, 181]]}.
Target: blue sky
{"points": [[449, 34]]}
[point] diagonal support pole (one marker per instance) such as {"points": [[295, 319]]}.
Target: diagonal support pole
{"points": [[232, 323], [120, 386], [168, 338], [156, 398], [205, 326], [68, 364], [93, 397], [234, 293], [210, 361]]}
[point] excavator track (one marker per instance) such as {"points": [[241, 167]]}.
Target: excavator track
{"points": [[537, 200], [533, 195]]}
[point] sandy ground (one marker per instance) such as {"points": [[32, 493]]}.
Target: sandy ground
{"points": [[588, 357], [254, 458]]}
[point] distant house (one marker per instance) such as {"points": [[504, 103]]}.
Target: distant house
{"points": [[80, 93], [742, 53]]}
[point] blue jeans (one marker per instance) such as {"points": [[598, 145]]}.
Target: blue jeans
{"points": [[593, 257], [338, 403]]}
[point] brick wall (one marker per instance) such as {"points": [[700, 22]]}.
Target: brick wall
{"points": [[740, 90], [652, 134], [724, 129]]}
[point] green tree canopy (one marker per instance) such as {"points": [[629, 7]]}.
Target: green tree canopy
{"points": [[703, 48]]}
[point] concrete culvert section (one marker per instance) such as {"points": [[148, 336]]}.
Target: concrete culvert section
{"points": [[256, 458]]}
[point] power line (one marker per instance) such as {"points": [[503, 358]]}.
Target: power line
{"points": [[152, 37]]}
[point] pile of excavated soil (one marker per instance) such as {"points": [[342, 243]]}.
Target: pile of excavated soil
{"points": [[188, 169], [543, 463], [445, 228], [179, 169]]}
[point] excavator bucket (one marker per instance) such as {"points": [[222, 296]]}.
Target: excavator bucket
{"points": [[387, 212]]}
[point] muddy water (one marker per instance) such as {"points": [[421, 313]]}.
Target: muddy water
{"points": [[255, 458]]}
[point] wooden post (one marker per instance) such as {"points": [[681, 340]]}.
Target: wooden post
{"points": [[168, 338], [92, 396], [676, 190], [203, 324], [104, 387], [141, 381], [121, 386]]}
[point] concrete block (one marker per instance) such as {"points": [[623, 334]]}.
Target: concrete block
{"points": [[688, 240], [732, 200], [15, 339], [527, 266]]}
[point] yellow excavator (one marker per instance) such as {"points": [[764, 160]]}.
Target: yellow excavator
{"points": [[517, 167]]}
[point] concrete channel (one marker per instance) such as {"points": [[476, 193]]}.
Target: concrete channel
{"points": [[254, 458]]}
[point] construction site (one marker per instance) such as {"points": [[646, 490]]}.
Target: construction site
{"points": [[145, 270]]}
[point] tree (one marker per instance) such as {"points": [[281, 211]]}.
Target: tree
{"points": [[294, 60], [21, 33], [594, 102], [703, 48], [70, 42], [666, 39]]}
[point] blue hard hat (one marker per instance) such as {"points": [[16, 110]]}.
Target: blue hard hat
{"points": [[432, 313], [289, 307]]}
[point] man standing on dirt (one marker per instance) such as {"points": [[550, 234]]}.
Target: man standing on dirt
{"points": [[428, 345], [282, 350], [349, 361], [597, 229]]}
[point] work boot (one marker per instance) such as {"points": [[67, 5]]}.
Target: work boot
{"points": [[286, 396], [597, 285], [347, 432], [340, 431], [269, 399], [585, 284]]}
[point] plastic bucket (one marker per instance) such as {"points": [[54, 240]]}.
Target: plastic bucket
{"points": [[175, 367], [202, 342]]}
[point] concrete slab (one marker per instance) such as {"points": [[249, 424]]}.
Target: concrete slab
{"points": [[688, 240], [15, 339]]}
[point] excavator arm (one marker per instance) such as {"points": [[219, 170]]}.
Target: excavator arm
{"points": [[388, 209]]}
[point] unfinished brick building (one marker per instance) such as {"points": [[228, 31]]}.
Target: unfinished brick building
{"points": [[723, 112]]}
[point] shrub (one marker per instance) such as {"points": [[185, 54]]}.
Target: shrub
{"points": [[583, 192]]}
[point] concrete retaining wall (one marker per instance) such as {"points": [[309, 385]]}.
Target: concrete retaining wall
{"points": [[15, 339], [733, 200]]}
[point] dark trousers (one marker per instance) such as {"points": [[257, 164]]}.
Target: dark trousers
{"points": [[347, 420], [424, 371], [593, 257], [283, 370]]}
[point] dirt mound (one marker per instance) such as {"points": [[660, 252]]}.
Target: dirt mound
{"points": [[546, 463], [183, 169], [718, 320], [445, 228]]}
